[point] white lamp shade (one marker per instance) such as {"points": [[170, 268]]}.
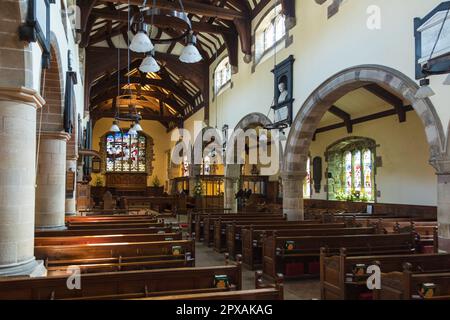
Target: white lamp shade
{"points": [[132, 132], [141, 43], [114, 127], [137, 127], [149, 64], [447, 81], [190, 54], [424, 92]]}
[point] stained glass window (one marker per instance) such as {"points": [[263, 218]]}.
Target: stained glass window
{"points": [[307, 181], [351, 172], [368, 184], [348, 172], [125, 153], [357, 171]]}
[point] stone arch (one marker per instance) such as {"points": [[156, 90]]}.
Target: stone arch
{"points": [[52, 84], [233, 171], [315, 106]]}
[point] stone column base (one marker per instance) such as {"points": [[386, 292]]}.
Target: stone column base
{"points": [[51, 228], [32, 268]]}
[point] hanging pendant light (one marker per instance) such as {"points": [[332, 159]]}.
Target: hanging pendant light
{"points": [[447, 81], [149, 64], [132, 132], [115, 127], [137, 126], [425, 90], [190, 52], [141, 42]]}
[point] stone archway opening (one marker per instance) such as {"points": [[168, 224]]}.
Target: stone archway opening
{"points": [[233, 169], [310, 114]]}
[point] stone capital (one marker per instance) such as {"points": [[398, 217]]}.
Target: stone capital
{"points": [[72, 158], [22, 95], [442, 165], [53, 135]]}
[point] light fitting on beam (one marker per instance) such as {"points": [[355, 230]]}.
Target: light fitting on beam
{"points": [[141, 43], [149, 64], [447, 81], [424, 91], [190, 53], [137, 126]]}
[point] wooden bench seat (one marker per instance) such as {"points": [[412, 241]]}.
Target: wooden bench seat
{"points": [[95, 225], [303, 259], [209, 224], [121, 264], [234, 231], [335, 285], [252, 239], [74, 240], [95, 232], [121, 285], [110, 250], [253, 294], [196, 223], [405, 285]]}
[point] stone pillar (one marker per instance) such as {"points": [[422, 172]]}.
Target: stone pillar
{"points": [[17, 177], [230, 190], [51, 181], [443, 205], [442, 166], [71, 199], [293, 196]]}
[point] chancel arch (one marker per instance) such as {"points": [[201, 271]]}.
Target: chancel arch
{"points": [[305, 125]]}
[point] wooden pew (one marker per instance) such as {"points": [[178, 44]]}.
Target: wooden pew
{"points": [[95, 225], [75, 240], [123, 285], [252, 239], [110, 218], [405, 285], [209, 224], [199, 225], [95, 232], [306, 250], [336, 285], [234, 231], [110, 250], [61, 267], [261, 292]]}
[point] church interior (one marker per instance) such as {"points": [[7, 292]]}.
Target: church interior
{"points": [[224, 150]]}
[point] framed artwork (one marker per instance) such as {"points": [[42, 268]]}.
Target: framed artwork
{"points": [[283, 89], [433, 57]]}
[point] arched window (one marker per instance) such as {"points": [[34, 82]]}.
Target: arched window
{"points": [[271, 30], [351, 170], [307, 181], [125, 153], [222, 75]]}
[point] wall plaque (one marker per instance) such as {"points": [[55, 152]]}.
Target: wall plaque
{"points": [[427, 30]]}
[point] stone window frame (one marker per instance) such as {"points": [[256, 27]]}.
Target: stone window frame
{"points": [[287, 39]]}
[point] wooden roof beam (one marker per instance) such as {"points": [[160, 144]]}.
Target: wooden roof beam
{"points": [[344, 116], [193, 7], [389, 98]]}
